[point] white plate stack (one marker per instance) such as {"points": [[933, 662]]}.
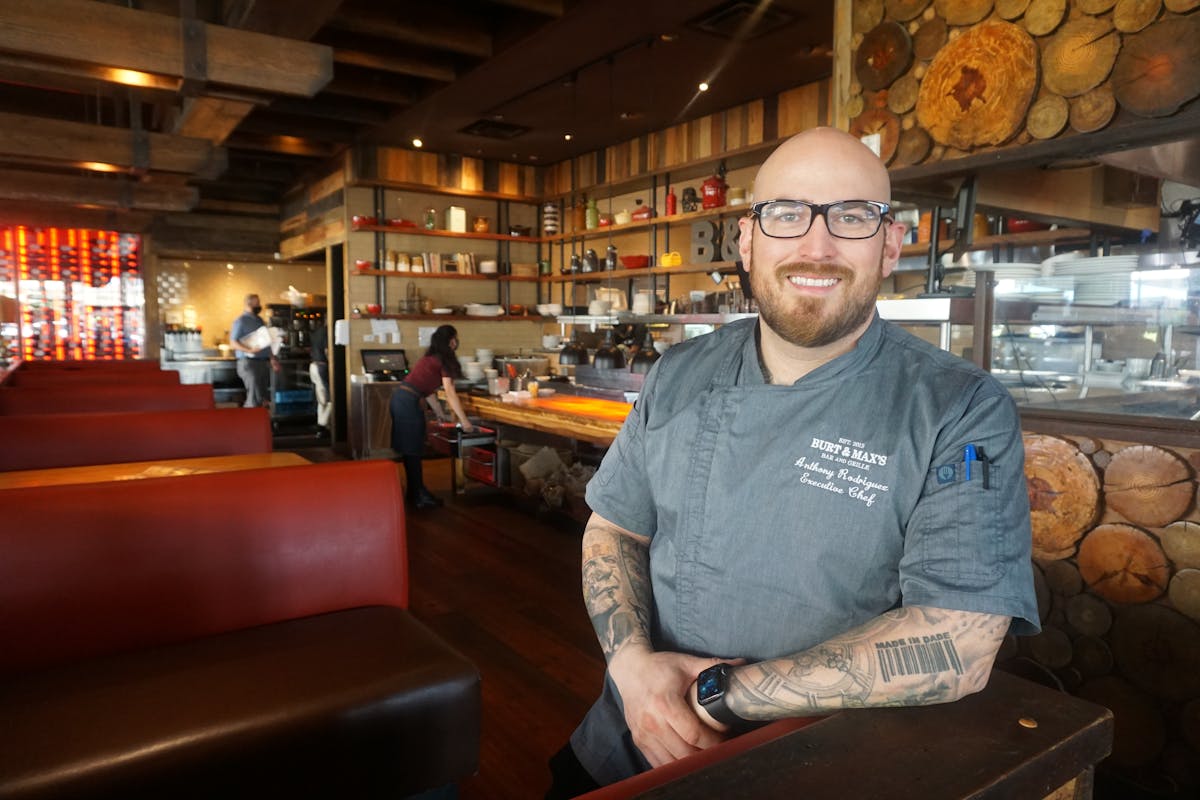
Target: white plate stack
{"points": [[1099, 281], [1023, 281], [550, 219]]}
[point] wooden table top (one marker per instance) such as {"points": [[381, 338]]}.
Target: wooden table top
{"points": [[1013, 739], [99, 473], [588, 419]]}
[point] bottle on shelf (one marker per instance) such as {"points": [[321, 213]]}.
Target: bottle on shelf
{"points": [[430, 218], [579, 215], [592, 215], [672, 201]]}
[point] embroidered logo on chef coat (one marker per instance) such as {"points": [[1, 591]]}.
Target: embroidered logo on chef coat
{"points": [[843, 467]]}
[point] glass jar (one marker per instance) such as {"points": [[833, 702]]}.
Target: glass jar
{"points": [[430, 218]]}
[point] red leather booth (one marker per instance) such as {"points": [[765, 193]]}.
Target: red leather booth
{"points": [[223, 635], [106, 397], [128, 365], [43, 441], [25, 378]]}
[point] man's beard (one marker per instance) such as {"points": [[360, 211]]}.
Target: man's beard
{"points": [[812, 321]]}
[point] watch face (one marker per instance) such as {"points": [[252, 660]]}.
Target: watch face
{"points": [[710, 684]]}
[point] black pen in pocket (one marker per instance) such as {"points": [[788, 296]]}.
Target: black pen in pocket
{"points": [[983, 460]]}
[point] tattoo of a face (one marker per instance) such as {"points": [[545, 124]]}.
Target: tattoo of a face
{"points": [[616, 589]]}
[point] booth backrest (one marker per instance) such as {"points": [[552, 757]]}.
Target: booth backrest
{"points": [[43, 441], [106, 397], [28, 379], [91, 366], [101, 568]]}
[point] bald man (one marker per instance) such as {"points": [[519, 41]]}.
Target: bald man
{"points": [[804, 513]]}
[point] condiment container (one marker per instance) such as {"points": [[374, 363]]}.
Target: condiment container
{"points": [[456, 219]]}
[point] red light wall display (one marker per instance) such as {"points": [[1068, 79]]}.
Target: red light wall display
{"points": [[80, 292]]}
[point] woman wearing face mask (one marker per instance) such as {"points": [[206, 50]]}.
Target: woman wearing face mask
{"points": [[436, 369], [253, 363]]}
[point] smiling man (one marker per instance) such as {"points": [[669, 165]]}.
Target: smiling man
{"points": [[810, 512]]}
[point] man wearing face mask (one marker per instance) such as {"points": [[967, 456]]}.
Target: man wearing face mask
{"points": [[847, 527], [253, 365]]}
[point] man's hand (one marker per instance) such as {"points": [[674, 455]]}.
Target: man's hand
{"points": [[654, 689]]}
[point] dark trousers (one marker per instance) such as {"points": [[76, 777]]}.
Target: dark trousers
{"points": [[568, 776]]}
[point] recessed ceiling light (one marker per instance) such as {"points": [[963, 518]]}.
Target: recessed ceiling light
{"points": [[667, 37], [533, 157], [703, 86], [567, 136], [417, 143]]}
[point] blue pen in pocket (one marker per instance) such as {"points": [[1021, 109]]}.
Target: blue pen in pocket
{"points": [[968, 457]]}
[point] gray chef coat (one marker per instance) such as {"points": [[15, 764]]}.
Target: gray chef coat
{"points": [[780, 516]]}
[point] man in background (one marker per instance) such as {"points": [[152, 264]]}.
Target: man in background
{"points": [[254, 362]]}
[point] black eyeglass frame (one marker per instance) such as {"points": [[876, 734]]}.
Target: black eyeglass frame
{"points": [[820, 210]]}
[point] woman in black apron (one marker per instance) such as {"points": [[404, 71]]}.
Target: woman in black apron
{"points": [[435, 370]]}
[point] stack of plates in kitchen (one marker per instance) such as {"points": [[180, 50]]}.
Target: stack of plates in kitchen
{"points": [[959, 277], [1021, 281], [482, 310], [1099, 281], [550, 219]]}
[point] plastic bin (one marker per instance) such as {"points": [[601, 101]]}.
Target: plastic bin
{"points": [[479, 463]]}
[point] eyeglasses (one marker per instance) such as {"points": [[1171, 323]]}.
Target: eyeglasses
{"points": [[845, 219]]}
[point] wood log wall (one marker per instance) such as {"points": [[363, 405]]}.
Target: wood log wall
{"points": [[1116, 535], [958, 77]]}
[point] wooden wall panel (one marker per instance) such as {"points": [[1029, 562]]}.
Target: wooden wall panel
{"points": [[802, 108]]}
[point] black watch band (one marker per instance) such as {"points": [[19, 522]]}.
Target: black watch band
{"points": [[711, 685]]}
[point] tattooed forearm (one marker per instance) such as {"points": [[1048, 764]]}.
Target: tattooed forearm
{"points": [[616, 585], [910, 656]]}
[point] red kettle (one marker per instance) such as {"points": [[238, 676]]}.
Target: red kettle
{"points": [[712, 192]]}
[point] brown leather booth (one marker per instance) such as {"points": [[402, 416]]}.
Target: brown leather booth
{"points": [[44, 441], [105, 397], [223, 635]]}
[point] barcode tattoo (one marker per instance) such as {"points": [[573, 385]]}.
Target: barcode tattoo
{"points": [[924, 655]]}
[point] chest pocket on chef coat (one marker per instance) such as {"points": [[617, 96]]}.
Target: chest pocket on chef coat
{"points": [[956, 527]]}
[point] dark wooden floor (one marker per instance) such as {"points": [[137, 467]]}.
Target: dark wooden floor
{"points": [[502, 585]]}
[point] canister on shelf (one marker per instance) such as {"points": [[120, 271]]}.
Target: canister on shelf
{"points": [[456, 219]]}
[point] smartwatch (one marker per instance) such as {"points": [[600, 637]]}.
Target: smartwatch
{"points": [[711, 685]]}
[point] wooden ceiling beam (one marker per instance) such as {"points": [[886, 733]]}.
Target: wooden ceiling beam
{"points": [[86, 79], [86, 190], [325, 107], [45, 215], [281, 17], [375, 92], [549, 8], [438, 37], [311, 128], [53, 140], [210, 118], [417, 68], [236, 207], [291, 145], [125, 39]]}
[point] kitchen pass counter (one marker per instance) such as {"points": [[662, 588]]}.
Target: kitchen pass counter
{"points": [[588, 419]]}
